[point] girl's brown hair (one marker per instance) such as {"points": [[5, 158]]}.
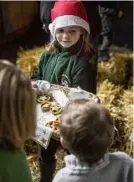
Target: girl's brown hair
{"points": [[17, 107], [86, 47]]}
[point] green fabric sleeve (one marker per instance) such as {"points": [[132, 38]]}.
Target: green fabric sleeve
{"points": [[83, 78], [37, 74], [21, 171], [15, 167]]}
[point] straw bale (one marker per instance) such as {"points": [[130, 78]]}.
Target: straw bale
{"points": [[36, 51], [33, 165], [120, 104], [117, 70], [33, 156], [28, 60], [119, 50], [127, 108], [108, 93], [27, 64]]}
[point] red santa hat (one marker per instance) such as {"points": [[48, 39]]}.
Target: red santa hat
{"points": [[68, 13]]}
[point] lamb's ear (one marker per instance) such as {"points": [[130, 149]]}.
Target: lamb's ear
{"points": [[62, 142]]}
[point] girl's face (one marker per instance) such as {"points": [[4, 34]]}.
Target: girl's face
{"points": [[68, 36]]}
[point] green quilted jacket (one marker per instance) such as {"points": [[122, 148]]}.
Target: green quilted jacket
{"points": [[65, 68]]}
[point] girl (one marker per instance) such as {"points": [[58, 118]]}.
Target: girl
{"points": [[68, 62], [68, 59], [17, 122]]}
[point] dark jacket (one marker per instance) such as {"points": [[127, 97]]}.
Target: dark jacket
{"points": [[66, 68]]}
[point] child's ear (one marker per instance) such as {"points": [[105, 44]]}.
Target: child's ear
{"points": [[62, 142]]}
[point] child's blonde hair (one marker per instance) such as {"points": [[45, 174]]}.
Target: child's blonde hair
{"points": [[86, 47], [17, 107]]}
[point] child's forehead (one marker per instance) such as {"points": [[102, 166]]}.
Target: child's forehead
{"points": [[70, 27]]}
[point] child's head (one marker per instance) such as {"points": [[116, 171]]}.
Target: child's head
{"points": [[86, 129], [69, 24], [66, 14], [18, 107], [68, 36]]}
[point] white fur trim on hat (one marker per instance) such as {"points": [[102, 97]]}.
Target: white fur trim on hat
{"points": [[68, 20]]}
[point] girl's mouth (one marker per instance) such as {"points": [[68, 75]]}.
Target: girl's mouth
{"points": [[66, 41]]}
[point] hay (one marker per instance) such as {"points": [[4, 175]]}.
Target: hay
{"points": [[118, 69], [34, 166], [120, 104], [115, 79], [37, 52], [108, 93], [32, 150], [29, 59], [126, 105]]}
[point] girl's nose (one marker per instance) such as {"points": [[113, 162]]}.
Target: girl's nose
{"points": [[66, 35]]}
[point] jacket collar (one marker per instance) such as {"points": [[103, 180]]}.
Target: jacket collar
{"points": [[80, 166]]}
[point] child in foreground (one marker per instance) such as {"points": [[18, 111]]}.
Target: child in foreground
{"points": [[87, 130], [17, 122]]}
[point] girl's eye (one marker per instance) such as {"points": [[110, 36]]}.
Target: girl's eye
{"points": [[60, 31], [72, 31]]}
